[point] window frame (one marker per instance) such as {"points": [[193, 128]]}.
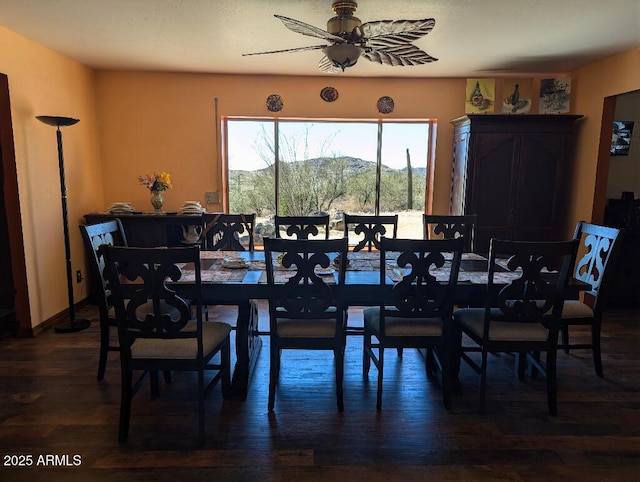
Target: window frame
{"points": [[430, 149]]}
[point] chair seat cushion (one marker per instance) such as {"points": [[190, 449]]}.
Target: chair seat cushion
{"points": [[401, 326], [292, 328], [213, 333], [472, 320], [576, 309]]}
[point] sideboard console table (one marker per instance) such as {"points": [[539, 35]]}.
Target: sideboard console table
{"points": [[148, 230]]}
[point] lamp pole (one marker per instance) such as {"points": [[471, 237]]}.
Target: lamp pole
{"points": [[72, 324]]}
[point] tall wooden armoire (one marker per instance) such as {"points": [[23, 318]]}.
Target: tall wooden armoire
{"points": [[513, 172]]}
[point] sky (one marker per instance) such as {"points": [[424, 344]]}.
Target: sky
{"points": [[355, 139]]}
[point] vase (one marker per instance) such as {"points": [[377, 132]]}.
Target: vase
{"points": [[157, 201]]}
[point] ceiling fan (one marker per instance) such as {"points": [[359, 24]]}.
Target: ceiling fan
{"points": [[387, 42]]}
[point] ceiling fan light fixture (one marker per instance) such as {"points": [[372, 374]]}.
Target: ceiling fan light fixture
{"points": [[343, 55]]}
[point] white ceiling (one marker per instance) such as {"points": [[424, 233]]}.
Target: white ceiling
{"points": [[471, 37]]}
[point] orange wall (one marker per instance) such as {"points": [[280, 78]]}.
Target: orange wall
{"points": [[166, 121], [593, 84], [43, 82]]}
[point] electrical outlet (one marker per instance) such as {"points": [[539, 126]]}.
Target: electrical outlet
{"points": [[212, 197], [78, 276]]}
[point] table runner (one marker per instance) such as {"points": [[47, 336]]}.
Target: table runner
{"points": [[213, 272], [214, 275]]}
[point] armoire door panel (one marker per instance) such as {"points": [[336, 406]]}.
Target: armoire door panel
{"points": [[493, 188], [459, 172], [541, 186]]}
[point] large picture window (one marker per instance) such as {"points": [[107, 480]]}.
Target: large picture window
{"points": [[302, 167]]}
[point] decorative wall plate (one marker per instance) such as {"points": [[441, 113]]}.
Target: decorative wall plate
{"points": [[274, 103], [329, 94], [385, 105]]}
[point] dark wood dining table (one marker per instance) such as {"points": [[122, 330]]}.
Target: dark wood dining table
{"points": [[235, 278]]}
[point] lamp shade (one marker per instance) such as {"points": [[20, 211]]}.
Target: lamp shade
{"points": [[57, 121]]}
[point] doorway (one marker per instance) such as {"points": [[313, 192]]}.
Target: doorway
{"points": [[618, 201], [15, 315]]}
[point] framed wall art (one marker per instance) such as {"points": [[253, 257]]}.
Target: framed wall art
{"points": [[480, 96], [516, 98], [621, 138], [555, 96]]}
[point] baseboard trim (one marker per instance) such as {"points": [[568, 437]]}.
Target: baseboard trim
{"points": [[53, 321]]}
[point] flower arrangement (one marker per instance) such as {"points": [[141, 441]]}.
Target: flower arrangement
{"points": [[158, 182]]}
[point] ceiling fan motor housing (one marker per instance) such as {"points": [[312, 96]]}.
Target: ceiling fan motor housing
{"points": [[344, 22]]}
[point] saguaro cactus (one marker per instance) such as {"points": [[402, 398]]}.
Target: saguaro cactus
{"points": [[409, 182]]}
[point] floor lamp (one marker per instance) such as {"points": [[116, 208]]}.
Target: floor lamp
{"points": [[72, 324]]}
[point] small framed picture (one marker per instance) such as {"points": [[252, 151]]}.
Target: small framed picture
{"points": [[621, 138]]}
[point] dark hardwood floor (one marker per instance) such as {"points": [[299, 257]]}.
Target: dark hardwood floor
{"points": [[51, 404]]}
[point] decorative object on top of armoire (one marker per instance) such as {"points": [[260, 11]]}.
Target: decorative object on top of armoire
{"points": [[512, 171], [480, 96], [555, 96], [516, 96]]}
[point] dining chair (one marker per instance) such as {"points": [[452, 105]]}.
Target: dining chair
{"points": [[156, 328], [302, 227], [306, 310], [224, 232], [596, 267], [94, 237], [370, 229], [522, 316], [450, 226], [416, 312]]}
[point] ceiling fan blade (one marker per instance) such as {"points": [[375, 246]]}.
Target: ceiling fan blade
{"points": [[297, 49], [398, 55], [326, 65], [406, 30], [306, 29]]}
